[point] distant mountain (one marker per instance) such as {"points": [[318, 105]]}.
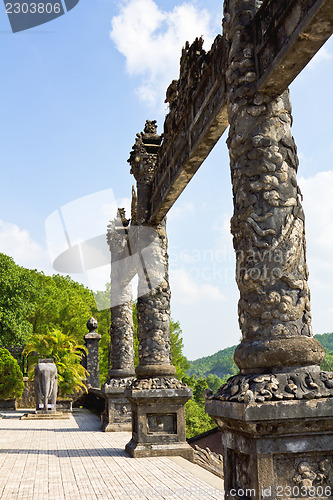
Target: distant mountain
{"points": [[222, 363]]}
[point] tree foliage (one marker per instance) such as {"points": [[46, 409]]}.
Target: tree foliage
{"points": [[197, 421], [11, 378], [326, 340], [17, 302], [66, 353], [220, 364], [31, 302]]}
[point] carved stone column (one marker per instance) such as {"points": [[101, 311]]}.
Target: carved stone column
{"points": [[266, 441], [117, 408], [157, 397], [92, 358]]}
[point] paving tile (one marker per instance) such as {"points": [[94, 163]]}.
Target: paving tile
{"points": [[73, 460]]}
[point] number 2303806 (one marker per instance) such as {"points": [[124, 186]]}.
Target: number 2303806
{"points": [[33, 8]]}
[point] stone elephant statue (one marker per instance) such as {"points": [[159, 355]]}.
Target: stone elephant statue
{"points": [[46, 385]]}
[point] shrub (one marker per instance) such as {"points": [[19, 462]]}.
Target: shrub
{"points": [[11, 377]]}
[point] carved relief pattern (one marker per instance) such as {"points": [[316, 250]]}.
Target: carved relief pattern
{"points": [[268, 220], [242, 470], [280, 386], [309, 473], [209, 460], [118, 382], [157, 383], [121, 331], [194, 63], [143, 155], [200, 73], [153, 308]]}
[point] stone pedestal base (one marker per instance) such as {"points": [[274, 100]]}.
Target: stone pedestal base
{"points": [[39, 415], [118, 415], [276, 449], [158, 420]]}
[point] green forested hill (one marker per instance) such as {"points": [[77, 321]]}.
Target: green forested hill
{"points": [[221, 363], [326, 340]]}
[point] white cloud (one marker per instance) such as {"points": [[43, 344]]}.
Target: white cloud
{"points": [[151, 40], [18, 244], [322, 55], [181, 209], [187, 291], [318, 206]]}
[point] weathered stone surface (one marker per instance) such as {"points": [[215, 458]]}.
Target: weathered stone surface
{"points": [[158, 422], [276, 415], [268, 220], [158, 383], [209, 460], [288, 34], [299, 384], [157, 399], [46, 386], [153, 308], [27, 400], [91, 360], [121, 331], [273, 447], [196, 120], [117, 414]]}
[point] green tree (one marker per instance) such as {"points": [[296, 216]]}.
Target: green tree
{"points": [[197, 421], [177, 346], [18, 293], [11, 378], [326, 340], [198, 390], [214, 382], [62, 304], [327, 364], [221, 364], [66, 353]]}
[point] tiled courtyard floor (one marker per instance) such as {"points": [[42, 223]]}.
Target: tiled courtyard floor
{"points": [[73, 459]]}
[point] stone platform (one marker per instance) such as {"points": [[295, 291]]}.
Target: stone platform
{"points": [[73, 459], [45, 416]]}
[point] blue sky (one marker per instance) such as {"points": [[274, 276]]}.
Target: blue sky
{"points": [[75, 92]]}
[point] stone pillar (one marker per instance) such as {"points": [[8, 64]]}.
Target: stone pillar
{"points": [[157, 397], [117, 408], [275, 413], [92, 358]]}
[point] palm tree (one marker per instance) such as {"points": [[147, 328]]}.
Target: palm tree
{"points": [[66, 354]]}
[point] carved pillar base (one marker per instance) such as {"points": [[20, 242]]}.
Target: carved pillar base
{"points": [[117, 408], [158, 418], [276, 449]]}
